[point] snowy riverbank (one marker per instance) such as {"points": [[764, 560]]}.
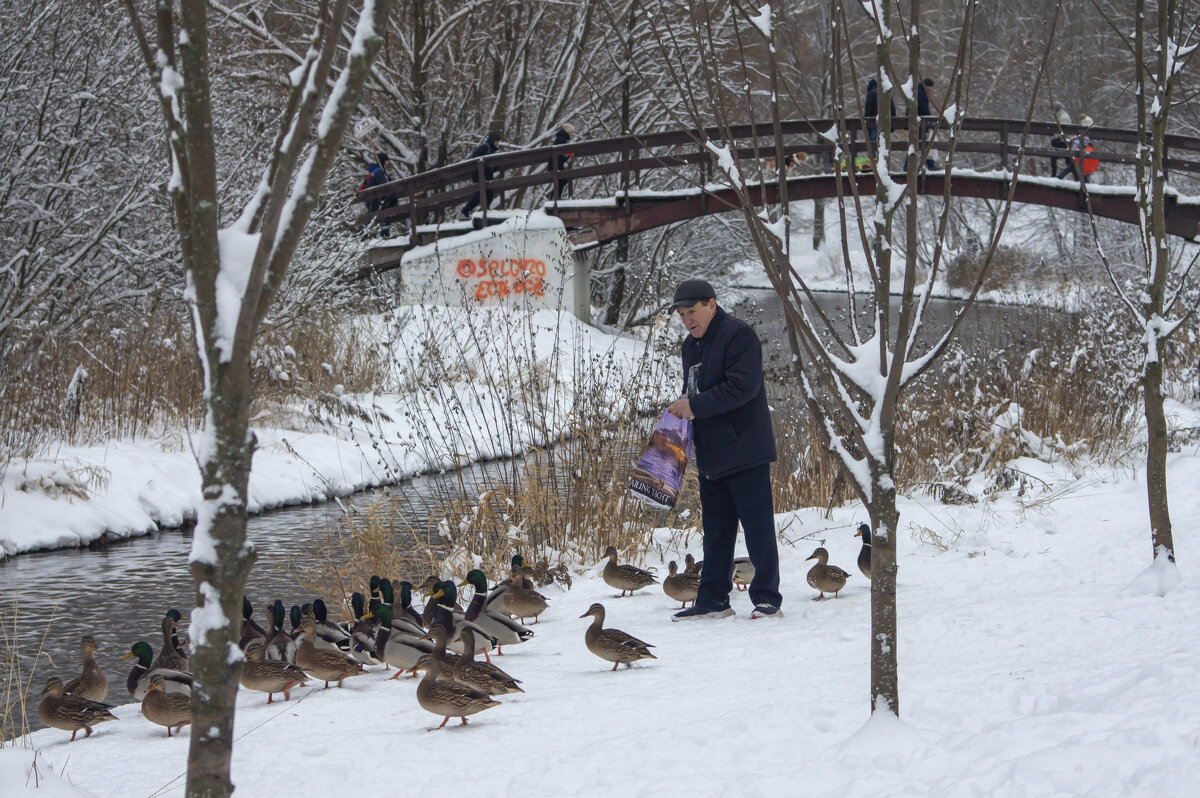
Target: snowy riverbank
{"points": [[1038, 657], [459, 397]]}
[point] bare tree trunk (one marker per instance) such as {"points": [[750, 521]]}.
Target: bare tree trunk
{"points": [[253, 253]]}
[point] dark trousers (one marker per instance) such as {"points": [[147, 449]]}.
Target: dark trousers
{"points": [[1058, 143], [744, 496], [473, 203]]}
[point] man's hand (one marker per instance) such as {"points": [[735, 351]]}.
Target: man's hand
{"points": [[681, 408]]}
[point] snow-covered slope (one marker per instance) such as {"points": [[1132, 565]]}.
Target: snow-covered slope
{"points": [[1032, 664]]}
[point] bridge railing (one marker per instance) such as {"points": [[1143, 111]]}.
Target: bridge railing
{"points": [[980, 143]]}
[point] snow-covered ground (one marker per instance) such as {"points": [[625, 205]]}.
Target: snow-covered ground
{"points": [[1038, 657], [459, 396]]}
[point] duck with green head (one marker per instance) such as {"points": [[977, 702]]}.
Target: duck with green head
{"points": [[505, 630], [139, 675], [279, 646], [864, 554], [401, 619], [398, 647], [362, 631]]}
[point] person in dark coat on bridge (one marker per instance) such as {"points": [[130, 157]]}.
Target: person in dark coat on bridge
{"points": [[926, 122], [726, 399], [564, 134], [871, 110], [488, 146], [377, 176]]}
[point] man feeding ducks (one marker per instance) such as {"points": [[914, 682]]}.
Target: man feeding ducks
{"points": [[726, 399]]}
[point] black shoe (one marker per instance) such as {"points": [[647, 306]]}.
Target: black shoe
{"points": [[766, 611], [698, 612]]}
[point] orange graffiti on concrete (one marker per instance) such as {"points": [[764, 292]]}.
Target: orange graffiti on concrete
{"points": [[503, 277]]}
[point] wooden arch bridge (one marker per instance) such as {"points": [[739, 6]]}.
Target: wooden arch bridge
{"points": [[613, 170]]}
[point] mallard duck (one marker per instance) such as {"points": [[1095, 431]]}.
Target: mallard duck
{"points": [[279, 644], [681, 587], [329, 635], [139, 675], [250, 628], [402, 608], [445, 614], [613, 645], [864, 554], [269, 676], [825, 577], [362, 631], [70, 712], [626, 578], [401, 617], [495, 599], [505, 630], [401, 649], [170, 657], [690, 566], [523, 602], [447, 698], [429, 587], [327, 666], [483, 676], [92, 684], [173, 710], [180, 642], [743, 572], [376, 596]]}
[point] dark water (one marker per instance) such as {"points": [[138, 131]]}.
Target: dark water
{"points": [[986, 329], [118, 594]]}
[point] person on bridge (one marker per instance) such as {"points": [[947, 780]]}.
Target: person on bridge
{"points": [[564, 134], [925, 123], [726, 398], [488, 146], [871, 110], [1059, 142], [377, 176], [1079, 144]]}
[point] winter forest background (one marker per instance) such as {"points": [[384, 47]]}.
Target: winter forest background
{"points": [[90, 267]]}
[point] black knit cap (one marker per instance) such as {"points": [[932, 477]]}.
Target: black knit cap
{"points": [[690, 292]]}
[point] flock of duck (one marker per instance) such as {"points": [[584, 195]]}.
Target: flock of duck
{"points": [[441, 641]]}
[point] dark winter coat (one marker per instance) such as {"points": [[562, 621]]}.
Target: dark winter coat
{"points": [[871, 102], [728, 397], [487, 147], [376, 176], [922, 101], [564, 159]]}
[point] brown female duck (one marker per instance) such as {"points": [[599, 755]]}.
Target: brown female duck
{"points": [[92, 684], [173, 710], [327, 666], [447, 698], [483, 676], [68, 712], [169, 656], [523, 602], [625, 577], [613, 645], [825, 577], [681, 586], [268, 675]]}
